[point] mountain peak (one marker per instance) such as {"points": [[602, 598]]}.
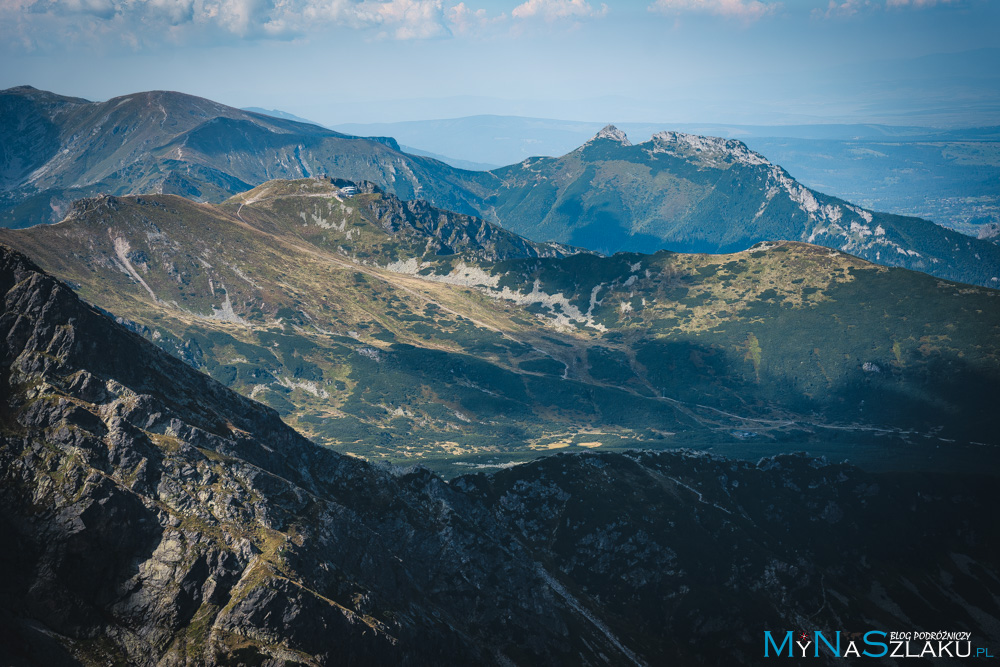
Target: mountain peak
{"points": [[709, 149], [44, 96], [613, 133], [388, 141]]}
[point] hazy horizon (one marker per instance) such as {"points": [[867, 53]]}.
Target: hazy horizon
{"points": [[901, 62]]}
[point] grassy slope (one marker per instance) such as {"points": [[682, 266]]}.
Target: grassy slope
{"points": [[748, 353]]}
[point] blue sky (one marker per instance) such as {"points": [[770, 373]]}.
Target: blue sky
{"points": [[735, 61]]}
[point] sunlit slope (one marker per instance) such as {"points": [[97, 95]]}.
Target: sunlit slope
{"points": [[389, 329]]}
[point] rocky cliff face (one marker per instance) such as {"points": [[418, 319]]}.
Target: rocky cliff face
{"points": [[151, 516], [157, 518], [408, 229], [450, 233]]}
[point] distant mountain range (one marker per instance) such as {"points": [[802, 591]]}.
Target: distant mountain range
{"points": [[461, 164], [702, 194], [151, 516], [949, 176], [277, 113], [675, 191], [510, 139], [56, 149]]}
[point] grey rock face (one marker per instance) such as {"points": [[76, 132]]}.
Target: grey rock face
{"points": [[161, 518]]}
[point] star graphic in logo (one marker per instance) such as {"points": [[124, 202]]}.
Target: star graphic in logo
{"points": [[803, 636]]}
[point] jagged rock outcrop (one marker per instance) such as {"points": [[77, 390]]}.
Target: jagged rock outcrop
{"points": [[414, 226], [156, 517], [612, 133], [447, 233]]}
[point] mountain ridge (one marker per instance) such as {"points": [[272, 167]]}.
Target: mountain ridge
{"points": [[394, 330], [703, 194], [944, 175], [161, 141]]}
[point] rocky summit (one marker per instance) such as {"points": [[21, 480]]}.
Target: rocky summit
{"points": [[152, 516]]}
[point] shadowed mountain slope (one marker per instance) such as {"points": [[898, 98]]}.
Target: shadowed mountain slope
{"points": [[154, 517], [157, 513]]}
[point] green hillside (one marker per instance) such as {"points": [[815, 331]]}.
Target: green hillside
{"points": [[396, 331]]}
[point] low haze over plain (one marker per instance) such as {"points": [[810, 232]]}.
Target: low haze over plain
{"points": [[906, 62]]}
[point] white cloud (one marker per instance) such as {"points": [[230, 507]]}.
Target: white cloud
{"points": [[745, 10], [845, 8], [916, 3], [557, 9], [405, 19], [240, 17], [464, 20], [143, 22]]}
